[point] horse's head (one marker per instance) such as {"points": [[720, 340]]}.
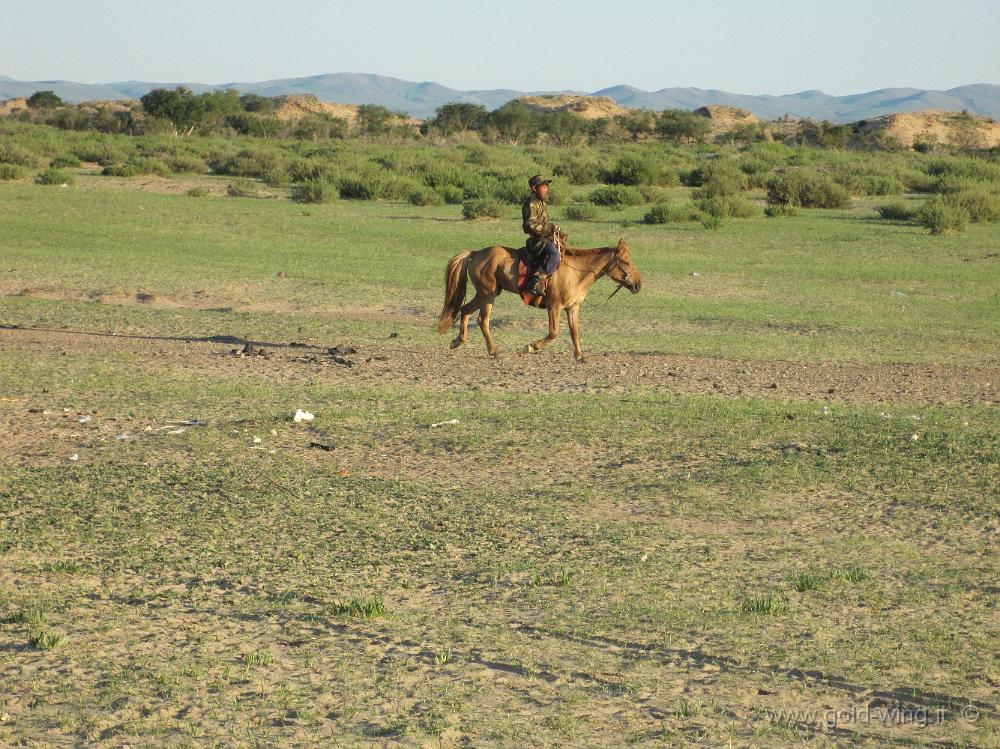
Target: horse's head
{"points": [[622, 270]]}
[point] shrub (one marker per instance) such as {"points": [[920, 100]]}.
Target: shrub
{"points": [[119, 170], [897, 212], [249, 163], [617, 196], [942, 218], [482, 208], [276, 177], [880, 185], [631, 170], [980, 205], [45, 100], [100, 153], [779, 210], [712, 221], [667, 214], [578, 171], [197, 192], [582, 212], [425, 197], [12, 154], [53, 177], [11, 171], [242, 188], [65, 160], [186, 163], [452, 194], [806, 188], [315, 190], [718, 177]]}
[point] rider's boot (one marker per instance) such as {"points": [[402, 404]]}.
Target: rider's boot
{"points": [[541, 283]]}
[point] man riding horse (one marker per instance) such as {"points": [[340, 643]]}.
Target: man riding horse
{"points": [[543, 235]]}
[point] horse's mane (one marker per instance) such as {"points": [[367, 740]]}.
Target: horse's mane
{"points": [[580, 252]]}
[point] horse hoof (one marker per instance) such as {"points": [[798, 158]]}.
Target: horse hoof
{"points": [[581, 359], [455, 344], [529, 349]]}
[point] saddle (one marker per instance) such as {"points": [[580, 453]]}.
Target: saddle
{"points": [[526, 266]]}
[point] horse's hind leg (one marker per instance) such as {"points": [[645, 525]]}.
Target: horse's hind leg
{"points": [[463, 327], [484, 325]]}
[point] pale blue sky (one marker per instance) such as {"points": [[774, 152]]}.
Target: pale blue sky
{"points": [[763, 47]]}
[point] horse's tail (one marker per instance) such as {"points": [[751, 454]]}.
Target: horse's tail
{"points": [[455, 281]]}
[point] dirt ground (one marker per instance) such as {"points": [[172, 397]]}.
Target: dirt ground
{"points": [[552, 370]]}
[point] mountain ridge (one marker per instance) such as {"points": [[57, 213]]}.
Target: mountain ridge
{"points": [[421, 99]]}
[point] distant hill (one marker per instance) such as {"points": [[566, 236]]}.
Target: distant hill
{"points": [[421, 99]]}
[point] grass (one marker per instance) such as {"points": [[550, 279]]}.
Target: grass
{"points": [[599, 559]]}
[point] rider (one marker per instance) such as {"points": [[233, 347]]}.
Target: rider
{"points": [[542, 233]]}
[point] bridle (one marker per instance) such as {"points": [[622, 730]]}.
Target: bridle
{"points": [[616, 264]]}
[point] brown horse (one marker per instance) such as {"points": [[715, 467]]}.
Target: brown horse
{"points": [[494, 269]]}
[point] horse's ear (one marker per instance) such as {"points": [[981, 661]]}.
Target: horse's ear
{"points": [[621, 241]]}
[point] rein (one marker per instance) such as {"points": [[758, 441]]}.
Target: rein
{"points": [[616, 263]]}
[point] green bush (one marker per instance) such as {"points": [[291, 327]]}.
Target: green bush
{"points": [[806, 188], [668, 214], [617, 196], [779, 210], [898, 212], [137, 165], [425, 197], [242, 188], [880, 185], [727, 206], [65, 160], [276, 177], [632, 170], [315, 190], [186, 163], [943, 218], [249, 162], [579, 171], [120, 170], [11, 171], [452, 194], [13, 154], [713, 221], [481, 208], [197, 192], [53, 177], [100, 153], [718, 177], [979, 205], [582, 212]]}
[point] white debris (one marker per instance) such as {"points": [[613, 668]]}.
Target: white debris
{"points": [[443, 423], [74, 456], [257, 440], [301, 415], [83, 419]]}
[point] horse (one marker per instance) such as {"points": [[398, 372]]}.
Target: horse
{"points": [[495, 269]]}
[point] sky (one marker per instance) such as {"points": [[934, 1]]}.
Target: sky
{"points": [[764, 47]]}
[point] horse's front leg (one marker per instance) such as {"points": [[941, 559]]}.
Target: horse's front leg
{"points": [[538, 345], [484, 325], [573, 322]]}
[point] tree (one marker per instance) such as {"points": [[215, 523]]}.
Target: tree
{"points": [[681, 126], [44, 100], [637, 122], [564, 127], [179, 107], [514, 123], [373, 119], [458, 117], [186, 112]]}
